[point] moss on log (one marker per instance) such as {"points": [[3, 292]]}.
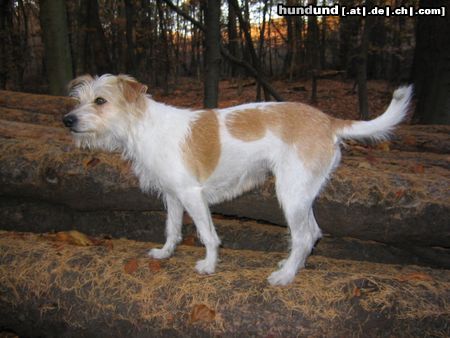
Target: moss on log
{"points": [[49, 287]]}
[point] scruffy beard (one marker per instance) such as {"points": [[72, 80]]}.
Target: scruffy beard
{"points": [[93, 141]]}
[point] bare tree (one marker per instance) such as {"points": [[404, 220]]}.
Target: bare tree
{"points": [[431, 71], [212, 54], [58, 59]]}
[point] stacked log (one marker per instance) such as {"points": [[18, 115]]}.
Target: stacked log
{"points": [[50, 287]]}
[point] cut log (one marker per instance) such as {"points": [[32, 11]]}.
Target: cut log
{"points": [[430, 138], [241, 234], [383, 200], [110, 288], [36, 103], [12, 129], [20, 115]]}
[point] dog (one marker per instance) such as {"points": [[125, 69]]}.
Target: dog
{"points": [[195, 158]]}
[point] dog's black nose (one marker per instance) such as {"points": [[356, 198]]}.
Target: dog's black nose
{"points": [[69, 120]]}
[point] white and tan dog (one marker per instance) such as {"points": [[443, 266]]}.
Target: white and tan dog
{"points": [[195, 158]]}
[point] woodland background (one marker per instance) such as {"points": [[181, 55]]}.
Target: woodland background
{"points": [[164, 44]]}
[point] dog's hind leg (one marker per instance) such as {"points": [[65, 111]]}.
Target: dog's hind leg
{"points": [[296, 190], [173, 228], [197, 207]]}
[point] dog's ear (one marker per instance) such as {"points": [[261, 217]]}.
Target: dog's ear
{"points": [[131, 88], [77, 82]]}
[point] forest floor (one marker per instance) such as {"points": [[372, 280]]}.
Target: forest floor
{"points": [[334, 97]]}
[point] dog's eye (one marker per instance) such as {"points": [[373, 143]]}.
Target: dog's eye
{"points": [[99, 101]]}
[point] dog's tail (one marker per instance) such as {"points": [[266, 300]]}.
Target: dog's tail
{"points": [[380, 128]]}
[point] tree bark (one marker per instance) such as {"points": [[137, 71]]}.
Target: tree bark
{"points": [[431, 73], [131, 37], [95, 58], [58, 60], [165, 48], [361, 65], [212, 54], [233, 39], [6, 25]]}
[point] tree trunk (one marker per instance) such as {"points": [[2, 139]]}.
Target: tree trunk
{"points": [[6, 24], [323, 40], [212, 54], [361, 61], [165, 59], [58, 59], [348, 33], [95, 58], [431, 71], [131, 37], [313, 40], [233, 39]]}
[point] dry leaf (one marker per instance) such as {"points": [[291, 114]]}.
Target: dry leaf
{"points": [[108, 244], [73, 237], [131, 266], [384, 146], [93, 162], [201, 312], [415, 276], [154, 265], [189, 240], [62, 236], [371, 159], [170, 318], [364, 165], [419, 169], [399, 194]]}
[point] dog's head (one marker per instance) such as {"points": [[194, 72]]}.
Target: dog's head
{"points": [[107, 106]]}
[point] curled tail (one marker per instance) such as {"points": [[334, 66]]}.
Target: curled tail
{"points": [[380, 127]]}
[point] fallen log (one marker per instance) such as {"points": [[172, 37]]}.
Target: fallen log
{"points": [[37, 103], [429, 138], [50, 287], [365, 199], [240, 234], [26, 116], [13, 129]]}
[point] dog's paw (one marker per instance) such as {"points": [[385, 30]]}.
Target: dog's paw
{"points": [[205, 267], [281, 277], [159, 253]]}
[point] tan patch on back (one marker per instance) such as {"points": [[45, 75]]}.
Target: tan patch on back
{"points": [[305, 127], [202, 147], [247, 125]]}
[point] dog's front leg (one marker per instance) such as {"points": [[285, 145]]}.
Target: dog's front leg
{"points": [[197, 207], [173, 229]]}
